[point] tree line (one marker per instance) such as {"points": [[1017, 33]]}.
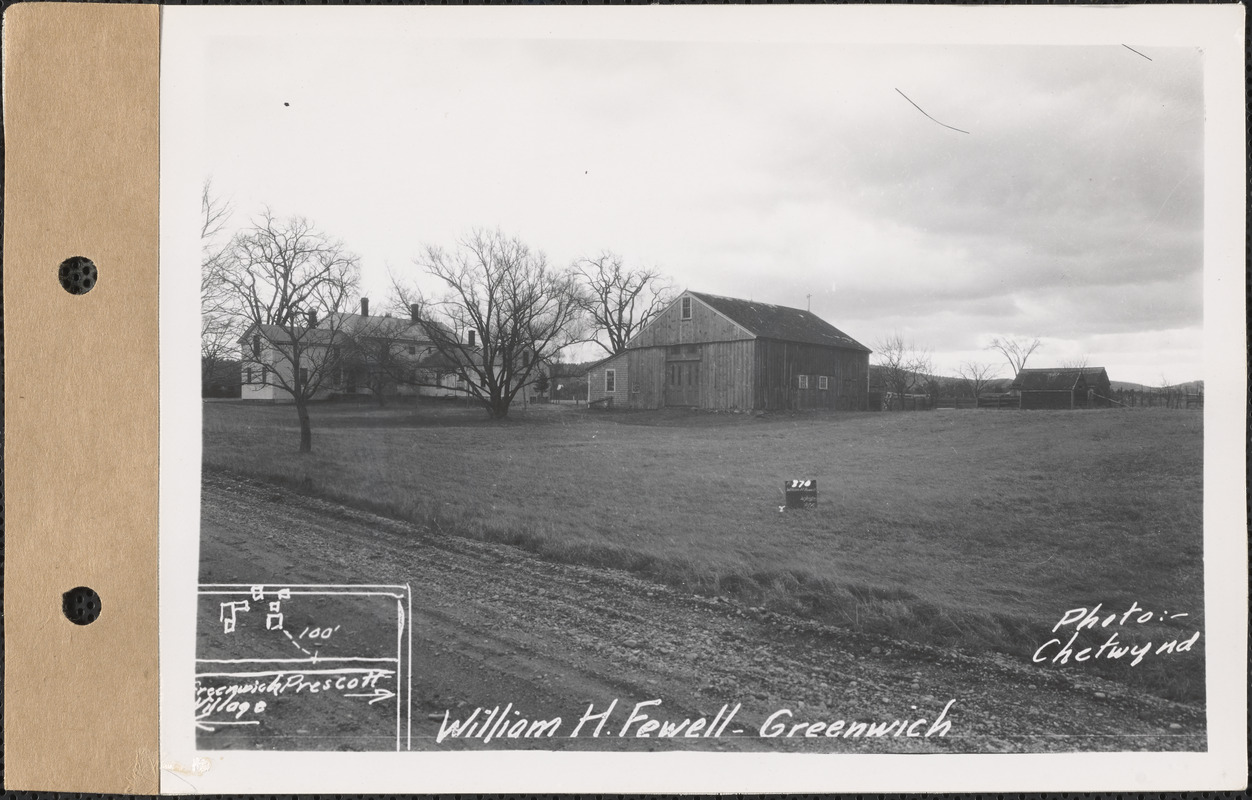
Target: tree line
{"points": [[282, 292]]}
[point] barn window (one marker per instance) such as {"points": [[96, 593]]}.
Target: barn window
{"points": [[822, 382], [686, 308], [634, 389], [610, 381], [804, 381]]}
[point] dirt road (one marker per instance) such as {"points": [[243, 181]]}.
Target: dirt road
{"points": [[494, 625]]}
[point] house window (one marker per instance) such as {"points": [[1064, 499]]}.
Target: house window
{"points": [[265, 375], [412, 349], [804, 381], [304, 376], [686, 308], [610, 381], [248, 375], [256, 345], [822, 382]]}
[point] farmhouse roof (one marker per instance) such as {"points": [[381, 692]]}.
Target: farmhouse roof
{"points": [[1056, 379], [398, 328], [768, 321]]}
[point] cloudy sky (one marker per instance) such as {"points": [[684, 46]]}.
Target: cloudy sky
{"points": [[1068, 206]]}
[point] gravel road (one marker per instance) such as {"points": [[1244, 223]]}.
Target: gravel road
{"points": [[494, 625]]}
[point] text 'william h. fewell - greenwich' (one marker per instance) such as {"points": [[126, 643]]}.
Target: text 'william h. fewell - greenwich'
{"points": [[642, 722]]}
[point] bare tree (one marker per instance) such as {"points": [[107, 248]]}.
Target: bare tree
{"points": [[503, 313], [619, 301], [1082, 362], [1016, 351], [291, 283], [219, 314], [905, 366], [977, 376]]}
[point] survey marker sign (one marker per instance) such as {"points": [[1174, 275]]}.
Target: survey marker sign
{"points": [[303, 667]]}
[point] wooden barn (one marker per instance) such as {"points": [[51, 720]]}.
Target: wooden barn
{"points": [[712, 352], [1062, 387]]}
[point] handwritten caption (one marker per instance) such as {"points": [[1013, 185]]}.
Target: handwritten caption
{"points": [[231, 698], [1078, 620], [643, 722]]}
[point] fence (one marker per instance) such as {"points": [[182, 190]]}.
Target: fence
{"points": [[999, 401], [1158, 398], [1129, 398]]}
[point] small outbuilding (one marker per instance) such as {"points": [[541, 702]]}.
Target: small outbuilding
{"points": [[711, 352], [1063, 387]]}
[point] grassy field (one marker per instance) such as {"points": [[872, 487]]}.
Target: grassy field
{"points": [[975, 529]]}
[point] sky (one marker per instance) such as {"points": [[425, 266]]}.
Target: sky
{"points": [[951, 194]]}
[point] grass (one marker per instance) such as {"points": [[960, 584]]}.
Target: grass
{"points": [[973, 529]]}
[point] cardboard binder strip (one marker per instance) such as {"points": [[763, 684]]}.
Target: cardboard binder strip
{"points": [[81, 109]]}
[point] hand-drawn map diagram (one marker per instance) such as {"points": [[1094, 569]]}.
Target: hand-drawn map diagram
{"points": [[304, 666]]}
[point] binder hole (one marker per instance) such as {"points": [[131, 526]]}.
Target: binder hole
{"points": [[77, 275], [80, 605]]}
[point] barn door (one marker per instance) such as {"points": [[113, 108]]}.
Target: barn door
{"points": [[682, 383]]}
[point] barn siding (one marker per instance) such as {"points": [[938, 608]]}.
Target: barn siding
{"points": [[705, 325], [595, 381], [647, 374], [1036, 399], [1043, 399], [726, 375], [779, 365]]}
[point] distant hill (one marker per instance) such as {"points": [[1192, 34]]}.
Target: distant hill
{"points": [[1188, 386]]}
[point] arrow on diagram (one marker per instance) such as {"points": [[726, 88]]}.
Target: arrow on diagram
{"points": [[207, 724], [378, 694]]}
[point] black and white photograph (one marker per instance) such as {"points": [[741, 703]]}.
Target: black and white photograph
{"points": [[725, 387]]}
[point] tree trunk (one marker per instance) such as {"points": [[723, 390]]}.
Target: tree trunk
{"points": [[498, 408], [306, 430]]}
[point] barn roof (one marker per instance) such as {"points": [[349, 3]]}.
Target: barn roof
{"points": [[768, 321], [1055, 379]]}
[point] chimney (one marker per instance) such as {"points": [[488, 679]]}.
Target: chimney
{"points": [[414, 314], [471, 336], [365, 306], [312, 317]]}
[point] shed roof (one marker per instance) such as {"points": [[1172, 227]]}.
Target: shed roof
{"points": [[767, 321], [603, 361], [1056, 379]]}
